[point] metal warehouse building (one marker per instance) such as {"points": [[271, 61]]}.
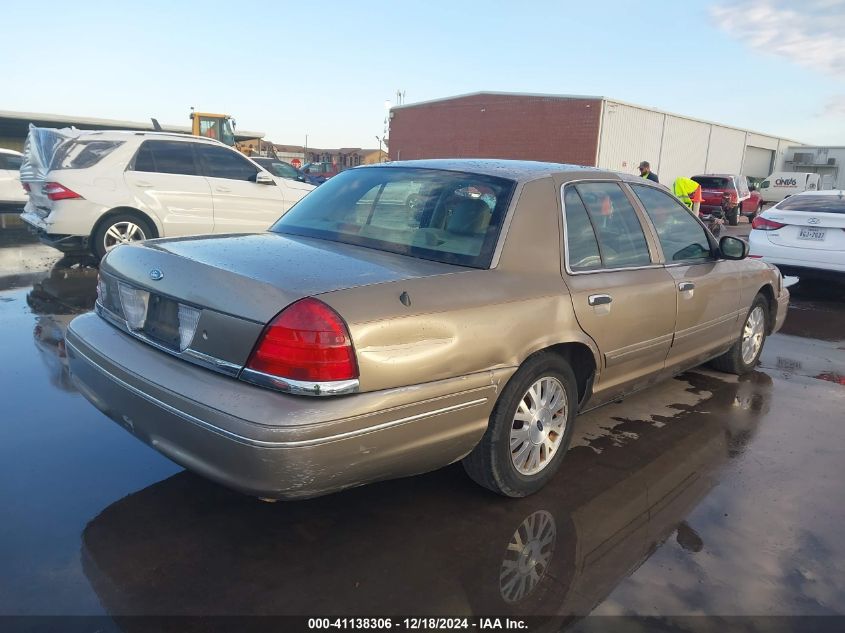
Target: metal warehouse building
{"points": [[828, 161], [583, 130]]}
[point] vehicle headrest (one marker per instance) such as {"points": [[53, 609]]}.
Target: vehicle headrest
{"points": [[468, 216]]}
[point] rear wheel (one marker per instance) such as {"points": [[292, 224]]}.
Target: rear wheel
{"points": [[742, 356], [529, 430], [123, 228]]}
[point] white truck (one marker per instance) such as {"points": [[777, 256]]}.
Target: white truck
{"points": [[783, 184]]}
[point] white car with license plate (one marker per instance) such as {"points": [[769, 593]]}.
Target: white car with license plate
{"points": [[803, 235], [96, 190]]}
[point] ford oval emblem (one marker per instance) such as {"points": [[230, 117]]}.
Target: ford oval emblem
{"points": [[813, 221], [156, 274]]}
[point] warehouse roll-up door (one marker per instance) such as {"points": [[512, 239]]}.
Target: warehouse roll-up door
{"points": [[758, 162]]}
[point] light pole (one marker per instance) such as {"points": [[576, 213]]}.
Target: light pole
{"points": [[380, 152]]}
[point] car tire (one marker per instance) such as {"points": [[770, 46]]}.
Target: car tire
{"points": [[740, 359], [518, 413], [104, 237], [733, 216]]}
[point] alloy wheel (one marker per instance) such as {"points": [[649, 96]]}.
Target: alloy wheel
{"points": [[752, 335], [538, 425], [122, 233]]}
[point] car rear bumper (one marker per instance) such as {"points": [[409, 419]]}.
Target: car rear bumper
{"points": [[270, 444], [790, 258], [63, 242]]}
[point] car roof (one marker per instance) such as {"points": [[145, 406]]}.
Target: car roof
{"points": [[122, 135], [717, 175], [519, 170], [3, 150]]}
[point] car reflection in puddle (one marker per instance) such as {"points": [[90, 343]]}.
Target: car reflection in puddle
{"points": [[434, 544], [67, 291]]}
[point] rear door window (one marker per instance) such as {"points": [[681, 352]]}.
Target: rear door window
{"points": [[681, 236], [617, 228], [220, 162], [166, 157], [582, 249]]}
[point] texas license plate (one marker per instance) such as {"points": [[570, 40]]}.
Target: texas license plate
{"points": [[809, 233]]}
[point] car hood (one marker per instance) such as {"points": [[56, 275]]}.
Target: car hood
{"points": [[255, 276]]}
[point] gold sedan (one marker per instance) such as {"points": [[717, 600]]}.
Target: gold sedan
{"points": [[405, 316]]}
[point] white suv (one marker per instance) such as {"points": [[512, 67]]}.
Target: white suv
{"points": [[12, 194], [101, 189]]}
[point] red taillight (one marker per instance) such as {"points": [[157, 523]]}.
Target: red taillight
{"points": [[306, 341], [762, 224], [55, 191]]}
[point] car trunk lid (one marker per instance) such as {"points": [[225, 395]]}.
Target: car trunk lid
{"points": [[254, 276], [815, 231]]}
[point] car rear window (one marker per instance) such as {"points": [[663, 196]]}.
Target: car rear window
{"points": [[445, 216], [708, 182], [814, 203], [82, 154]]}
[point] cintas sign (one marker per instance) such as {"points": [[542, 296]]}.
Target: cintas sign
{"points": [[786, 182]]}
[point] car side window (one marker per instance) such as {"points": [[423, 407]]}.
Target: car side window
{"points": [[681, 236], [221, 162], [617, 228], [582, 249], [284, 170], [10, 161], [165, 157]]}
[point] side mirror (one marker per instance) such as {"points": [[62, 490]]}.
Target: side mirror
{"points": [[263, 178], [733, 248]]}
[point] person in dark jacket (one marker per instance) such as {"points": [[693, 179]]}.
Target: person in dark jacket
{"points": [[645, 172]]}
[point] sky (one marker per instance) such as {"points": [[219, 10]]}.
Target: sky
{"points": [[326, 69]]}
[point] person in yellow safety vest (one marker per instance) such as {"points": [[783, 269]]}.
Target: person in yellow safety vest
{"points": [[684, 188]]}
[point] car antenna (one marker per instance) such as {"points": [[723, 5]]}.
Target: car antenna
{"points": [[156, 124]]}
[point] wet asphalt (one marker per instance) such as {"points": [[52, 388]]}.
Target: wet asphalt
{"points": [[707, 494]]}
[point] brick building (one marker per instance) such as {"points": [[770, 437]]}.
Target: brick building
{"points": [[582, 130]]}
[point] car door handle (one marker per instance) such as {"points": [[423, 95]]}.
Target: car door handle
{"points": [[143, 183], [222, 189], [686, 285], [599, 300]]}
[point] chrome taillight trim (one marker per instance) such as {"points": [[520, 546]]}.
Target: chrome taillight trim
{"points": [[300, 387]]}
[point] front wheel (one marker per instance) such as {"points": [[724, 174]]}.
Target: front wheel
{"points": [[529, 430], [742, 356]]}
